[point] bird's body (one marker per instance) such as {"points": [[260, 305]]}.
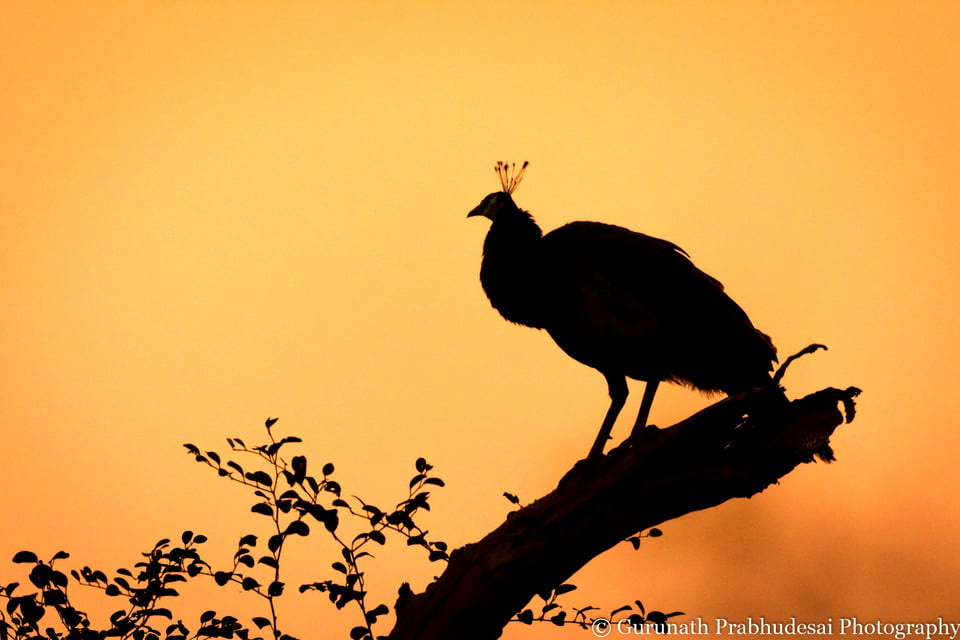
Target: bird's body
{"points": [[627, 304]]}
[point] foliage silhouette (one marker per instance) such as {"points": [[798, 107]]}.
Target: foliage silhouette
{"points": [[290, 498], [295, 504]]}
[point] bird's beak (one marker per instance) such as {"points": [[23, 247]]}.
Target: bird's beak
{"points": [[475, 212]]}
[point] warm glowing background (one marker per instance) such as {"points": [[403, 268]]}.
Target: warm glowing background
{"points": [[217, 212]]}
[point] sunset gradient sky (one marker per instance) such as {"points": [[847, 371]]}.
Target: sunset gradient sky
{"points": [[216, 212]]}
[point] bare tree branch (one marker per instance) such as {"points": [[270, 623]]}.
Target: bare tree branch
{"points": [[734, 448]]}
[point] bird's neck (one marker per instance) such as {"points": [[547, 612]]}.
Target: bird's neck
{"points": [[509, 272], [512, 233]]}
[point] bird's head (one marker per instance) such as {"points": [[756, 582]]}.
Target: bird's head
{"points": [[494, 204], [500, 201]]}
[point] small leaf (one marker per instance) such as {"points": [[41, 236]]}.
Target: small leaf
{"points": [[564, 588], [660, 618], [40, 575], [271, 421], [260, 477], [559, 619], [634, 542], [275, 589], [248, 541], [60, 555], [422, 465], [261, 622], [262, 508], [327, 469], [23, 557], [436, 481], [358, 633], [298, 527], [332, 487], [186, 537], [222, 577], [512, 498], [299, 465], [331, 520], [274, 542], [272, 449], [525, 616], [655, 533], [249, 584], [59, 578]]}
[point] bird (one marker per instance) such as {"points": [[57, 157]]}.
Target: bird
{"points": [[624, 303]]}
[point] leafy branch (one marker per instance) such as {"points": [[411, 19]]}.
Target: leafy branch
{"points": [[291, 499], [164, 565]]}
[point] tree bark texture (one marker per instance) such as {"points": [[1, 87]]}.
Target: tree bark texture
{"points": [[732, 449]]}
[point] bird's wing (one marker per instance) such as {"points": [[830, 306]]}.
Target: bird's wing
{"points": [[633, 270], [634, 292]]}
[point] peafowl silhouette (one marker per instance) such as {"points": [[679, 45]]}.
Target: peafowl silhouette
{"points": [[627, 304]]}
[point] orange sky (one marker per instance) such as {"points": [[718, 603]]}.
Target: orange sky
{"points": [[217, 212]]}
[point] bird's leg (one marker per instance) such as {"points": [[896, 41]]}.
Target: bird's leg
{"points": [[618, 396], [649, 391]]}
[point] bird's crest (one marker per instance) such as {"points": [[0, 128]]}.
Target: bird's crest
{"points": [[509, 176]]}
